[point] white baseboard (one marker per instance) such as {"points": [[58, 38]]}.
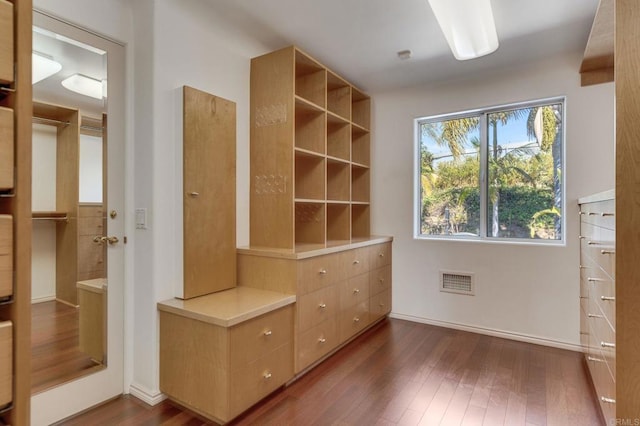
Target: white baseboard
{"points": [[42, 299], [492, 332], [143, 394]]}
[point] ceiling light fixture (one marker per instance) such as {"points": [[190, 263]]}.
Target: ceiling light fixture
{"points": [[43, 67], [468, 27], [84, 85]]}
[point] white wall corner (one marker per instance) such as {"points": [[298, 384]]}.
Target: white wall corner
{"points": [[146, 395]]}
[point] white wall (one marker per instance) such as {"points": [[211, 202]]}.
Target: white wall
{"points": [[90, 177], [43, 198], [524, 290]]}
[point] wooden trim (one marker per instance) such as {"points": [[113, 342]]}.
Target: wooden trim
{"points": [[627, 60], [598, 60]]}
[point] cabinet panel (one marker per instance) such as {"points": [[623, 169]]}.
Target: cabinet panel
{"points": [[6, 362], [6, 147], [315, 343], [380, 305], [353, 320], [251, 339], [354, 291], [6, 42], [380, 255], [6, 255], [316, 307], [91, 259], [356, 261], [380, 279], [318, 272], [209, 151]]}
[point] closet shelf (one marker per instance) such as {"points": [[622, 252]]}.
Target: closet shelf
{"points": [[53, 216]]}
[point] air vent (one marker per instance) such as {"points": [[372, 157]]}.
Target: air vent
{"points": [[457, 282]]}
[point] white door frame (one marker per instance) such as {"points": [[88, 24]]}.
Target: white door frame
{"points": [[78, 395]]}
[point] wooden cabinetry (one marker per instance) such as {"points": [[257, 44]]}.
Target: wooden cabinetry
{"points": [[340, 291], [92, 324], [91, 255], [309, 154], [598, 296], [223, 352], [15, 203]]}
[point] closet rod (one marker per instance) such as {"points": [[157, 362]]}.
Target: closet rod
{"points": [[50, 121], [92, 128]]}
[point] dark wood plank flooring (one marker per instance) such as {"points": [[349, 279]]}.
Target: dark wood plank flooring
{"points": [[55, 355], [404, 373]]}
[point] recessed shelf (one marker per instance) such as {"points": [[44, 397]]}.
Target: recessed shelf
{"points": [[360, 221], [338, 96], [311, 79], [310, 223], [360, 146], [310, 127], [338, 222], [338, 178], [359, 184], [309, 176], [338, 138], [360, 108]]}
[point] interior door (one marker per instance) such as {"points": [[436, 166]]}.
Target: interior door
{"points": [[81, 393]]}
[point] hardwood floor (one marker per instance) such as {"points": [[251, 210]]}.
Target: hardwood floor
{"points": [[404, 373], [55, 357]]}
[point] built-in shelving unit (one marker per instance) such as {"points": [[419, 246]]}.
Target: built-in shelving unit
{"points": [[310, 174]]}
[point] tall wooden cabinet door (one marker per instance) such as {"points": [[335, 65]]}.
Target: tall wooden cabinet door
{"points": [[209, 161], [6, 148], [6, 42]]}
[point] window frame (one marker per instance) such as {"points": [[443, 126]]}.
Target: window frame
{"points": [[482, 178]]}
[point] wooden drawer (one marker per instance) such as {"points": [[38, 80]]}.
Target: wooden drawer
{"points": [[6, 42], [6, 148], [604, 338], [6, 362], [317, 272], [258, 379], [356, 261], [601, 213], [353, 320], [604, 385], [316, 307], [354, 291], [380, 280], [91, 226], [598, 245], [315, 343], [251, 339], [379, 255], [90, 259], [85, 210], [380, 305], [603, 294], [6, 255]]}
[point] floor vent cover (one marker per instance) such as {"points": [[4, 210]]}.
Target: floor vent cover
{"points": [[457, 282]]}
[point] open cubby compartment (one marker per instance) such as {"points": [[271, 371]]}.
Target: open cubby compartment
{"points": [[338, 224], [360, 108], [360, 146], [310, 127], [338, 178], [338, 137], [360, 184], [309, 176], [310, 223], [311, 79], [338, 96], [360, 221]]}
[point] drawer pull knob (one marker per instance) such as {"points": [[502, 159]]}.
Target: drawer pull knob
{"points": [[268, 333], [356, 290], [322, 340], [356, 262], [581, 237], [322, 272], [322, 305], [595, 359], [607, 214], [607, 252], [356, 319], [592, 243], [593, 280], [381, 305], [581, 213], [381, 254], [607, 400], [594, 316], [194, 194], [607, 345], [583, 297], [267, 375], [608, 298], [381, 280], [593, 214], [583, 267]]}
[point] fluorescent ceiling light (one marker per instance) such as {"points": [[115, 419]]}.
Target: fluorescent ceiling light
{"points": [[84, 85], [43, 67], [468, 26]]}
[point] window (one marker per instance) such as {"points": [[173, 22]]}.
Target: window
{"points": [[494, 174]]}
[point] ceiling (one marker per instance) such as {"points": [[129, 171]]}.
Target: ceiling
{"points": [[75, 60], [359, 39]]}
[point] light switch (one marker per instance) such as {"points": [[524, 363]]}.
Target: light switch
{"points": [[141, 218]]}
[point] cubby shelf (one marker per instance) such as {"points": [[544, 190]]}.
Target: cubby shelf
{"points": [[310, 138]]}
